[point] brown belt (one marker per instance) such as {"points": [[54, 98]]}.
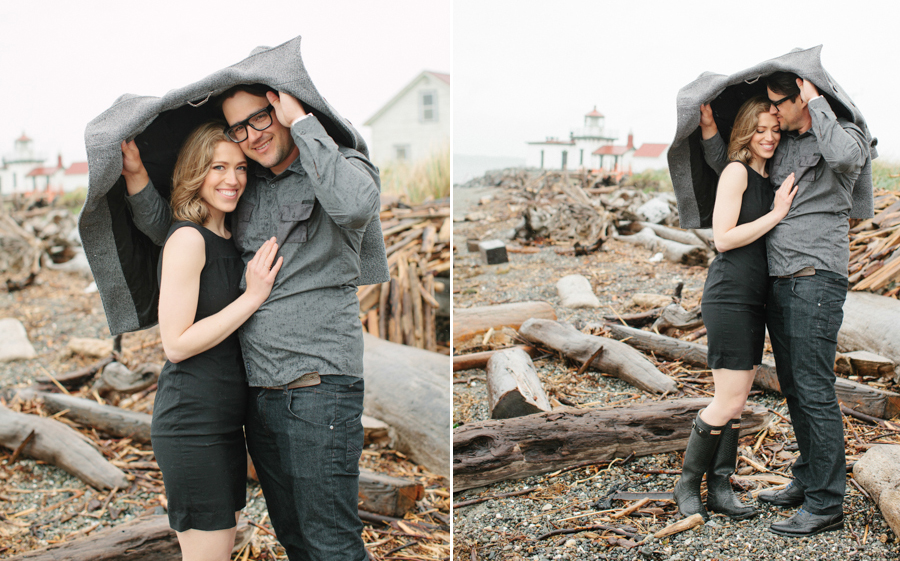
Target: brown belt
{"points": [[308, 379], [804, 272]]}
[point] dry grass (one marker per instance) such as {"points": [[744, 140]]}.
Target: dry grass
{"points": [[420, 181]]}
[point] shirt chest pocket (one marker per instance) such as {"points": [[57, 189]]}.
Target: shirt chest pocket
{"points": [[808, 168], [241, 222], [293, 223]]}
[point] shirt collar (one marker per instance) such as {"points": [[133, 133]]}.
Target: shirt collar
{"points": [[266, 173]]}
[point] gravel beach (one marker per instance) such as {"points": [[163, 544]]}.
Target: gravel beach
{"points": [[516, 527]]}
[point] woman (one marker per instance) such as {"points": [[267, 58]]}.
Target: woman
{"points": [[198, 415], [733, 304]]}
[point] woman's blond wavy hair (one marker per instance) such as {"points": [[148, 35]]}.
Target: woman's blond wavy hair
{"points": [[745, 127], [194, 159]]}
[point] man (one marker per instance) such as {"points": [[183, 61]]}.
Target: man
{"points": [[808, 254], [303, 348]]}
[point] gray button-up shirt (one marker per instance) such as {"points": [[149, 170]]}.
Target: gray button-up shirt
{"points": [[826, 161], [318, 210]]}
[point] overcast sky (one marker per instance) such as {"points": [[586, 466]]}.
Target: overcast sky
{"points": [[522, 75], [62, 63]]}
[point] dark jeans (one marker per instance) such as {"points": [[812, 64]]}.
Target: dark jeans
{"points": [[804, 315], [305, 444]]}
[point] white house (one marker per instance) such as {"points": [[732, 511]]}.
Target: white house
{"points": [[593, 147], [650, 156], [22, 171], [415, 122]]}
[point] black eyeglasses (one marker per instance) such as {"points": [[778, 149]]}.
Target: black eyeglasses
{"points": [[260, 121], [775, 104]]}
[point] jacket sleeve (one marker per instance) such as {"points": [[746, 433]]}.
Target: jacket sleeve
{"points": [[151, 213], [346, 184], [715, 153], [842, 143]]}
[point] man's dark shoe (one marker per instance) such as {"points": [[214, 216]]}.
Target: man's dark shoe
{"points": [[805, 523], [792, 495]]}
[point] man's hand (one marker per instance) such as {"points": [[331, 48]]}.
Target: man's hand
{"points": [[287, 108], [708, 127], [133, 170], [808, 90]]}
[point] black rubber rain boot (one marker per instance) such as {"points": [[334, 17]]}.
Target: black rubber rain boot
{"points": [[720, 497], [700, 450]]}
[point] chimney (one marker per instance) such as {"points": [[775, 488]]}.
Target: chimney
{"points": [[59, 161], [630, 140]]}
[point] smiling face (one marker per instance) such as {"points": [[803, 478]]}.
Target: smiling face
{"points": [[225, 181], [273, 147], [766, 137]]}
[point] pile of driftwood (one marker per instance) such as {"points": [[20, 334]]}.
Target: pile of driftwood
{"points": [[581, 210], [93, 423], [875, 248], [32, 237], [405, 309], [527, 435]]}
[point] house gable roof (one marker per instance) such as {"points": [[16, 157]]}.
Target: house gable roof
{"points": [[610, 150], [445, 78], [42, 171], [650, 150], [77, 168]]}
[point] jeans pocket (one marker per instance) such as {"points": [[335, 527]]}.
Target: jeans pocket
{"points": [[313, 406], [355, 438]]}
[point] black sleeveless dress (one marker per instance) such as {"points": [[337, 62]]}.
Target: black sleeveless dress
{"points": [[198, 415], [734, 297]]}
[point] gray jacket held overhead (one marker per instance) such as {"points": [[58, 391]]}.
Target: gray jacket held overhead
{"points": [[122, 258], [695, 181]]}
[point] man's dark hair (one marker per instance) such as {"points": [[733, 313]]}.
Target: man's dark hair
{"points": [[783, 83], [259, 90]]}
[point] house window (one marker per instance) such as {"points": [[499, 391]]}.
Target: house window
{"points": [[542, 159], [401, 152], [565, 156], [428, 106], [581, 157]]}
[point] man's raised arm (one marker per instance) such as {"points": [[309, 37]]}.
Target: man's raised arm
{"points": [[715, 152], [345, 182], [150, 212]]}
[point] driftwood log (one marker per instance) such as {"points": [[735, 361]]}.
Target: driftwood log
{"points": [[76, 376], [480, 360], [686, 237], [471, 322], [864, 363], [116, 377], [390, 496], [513, 386], [496, 450], [617, 359], [878, 472], [673, 251], [60, 445], [106, 418], [862, 398], [410, 390], [146, 538], [870, 324]]}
